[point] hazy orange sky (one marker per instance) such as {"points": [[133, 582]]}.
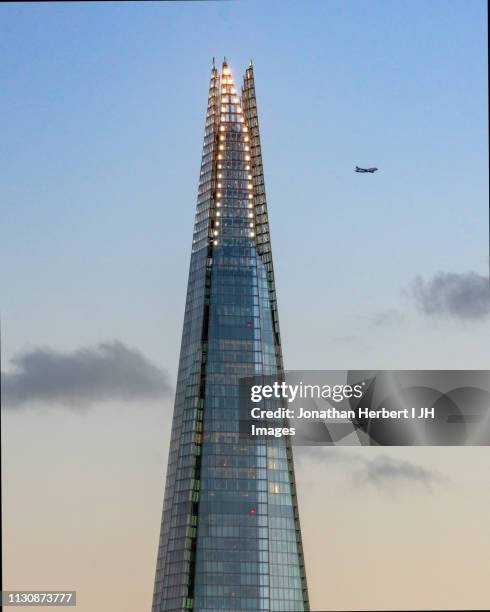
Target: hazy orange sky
{"points": [[82, 506]]}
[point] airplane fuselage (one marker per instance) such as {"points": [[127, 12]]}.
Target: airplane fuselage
{"points": [[363, 170]]}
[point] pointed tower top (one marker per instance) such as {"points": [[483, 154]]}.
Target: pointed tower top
{"points": [[226, 72], [225, 63], [250, 63]]}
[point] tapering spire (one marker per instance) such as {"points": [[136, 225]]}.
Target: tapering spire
{"points": [[262, 239], [230, 509], [234, 218]]}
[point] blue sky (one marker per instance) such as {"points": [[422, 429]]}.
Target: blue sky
{"points": [[102, 122]]}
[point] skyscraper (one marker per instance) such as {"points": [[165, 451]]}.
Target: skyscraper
{"points": [[230, 536]]}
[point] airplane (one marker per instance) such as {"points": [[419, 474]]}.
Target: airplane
{"points": [[362, 170]]}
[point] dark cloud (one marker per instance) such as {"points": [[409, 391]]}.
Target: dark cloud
{"points": [[109, 371], [383, 471], [464, 296]]}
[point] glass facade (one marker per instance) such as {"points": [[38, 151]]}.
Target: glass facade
{"points": [[230, 537]]}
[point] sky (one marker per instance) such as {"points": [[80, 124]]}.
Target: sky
{"points": [[102, 118]]}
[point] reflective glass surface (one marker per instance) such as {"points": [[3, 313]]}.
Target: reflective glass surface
{"points": [[230, 536]]}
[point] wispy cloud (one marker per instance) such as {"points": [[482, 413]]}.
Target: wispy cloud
{"points": [[383, 472], [387, 318], [79, 379], [346, 340], [463, 296]]}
